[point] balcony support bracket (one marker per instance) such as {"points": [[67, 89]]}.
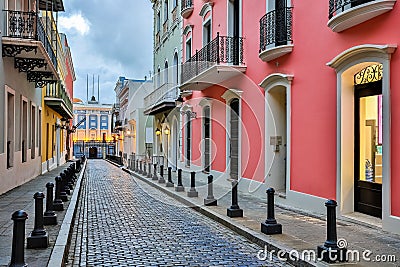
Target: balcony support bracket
{"points": [[11, 50], [29, 64]]}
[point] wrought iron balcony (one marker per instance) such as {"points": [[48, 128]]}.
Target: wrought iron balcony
{"points": [[56, 98], [337, 6], [186, 8], [344, 14], [276, 31], [25, 39], [161, 99], [223, 51]]}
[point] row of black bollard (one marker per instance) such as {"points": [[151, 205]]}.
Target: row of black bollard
{"points": [[39, 238], [329, 252]]}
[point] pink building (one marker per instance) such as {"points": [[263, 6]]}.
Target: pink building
{"points": [[301, 98]]}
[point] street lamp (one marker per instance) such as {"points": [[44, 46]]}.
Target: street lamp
{"points": [[158, 132]]}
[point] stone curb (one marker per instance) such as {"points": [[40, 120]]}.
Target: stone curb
{"points": [[255, 237], [60, 249]]}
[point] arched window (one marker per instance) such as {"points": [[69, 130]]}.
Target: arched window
{"points": [[175, 70], [158, 77], [166, 72]]}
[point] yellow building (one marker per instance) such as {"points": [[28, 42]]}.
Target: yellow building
{"points": [[94, 127], [56, 103]]}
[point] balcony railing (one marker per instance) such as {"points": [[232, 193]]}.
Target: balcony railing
{"points": [[165, 93], [338, 6], [28, 25], [222, 49], [58, 91], [185, 4], [276, 28]]}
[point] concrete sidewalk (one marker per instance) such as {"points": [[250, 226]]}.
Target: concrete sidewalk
{"points": [[21, 198], [301, 231]]}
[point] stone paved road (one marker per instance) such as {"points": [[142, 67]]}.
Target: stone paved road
{"points": [[121, 222]]}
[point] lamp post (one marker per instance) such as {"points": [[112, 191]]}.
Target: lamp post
{"points": [[158, 133]]}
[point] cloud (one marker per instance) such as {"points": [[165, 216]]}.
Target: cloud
{"points": [[118, 41], [75, 22]]}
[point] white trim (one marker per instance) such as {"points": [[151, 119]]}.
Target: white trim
{"points": [[205, 8], [188, 28], [206, 102], [348, 63], [271, 81], [184, 109], [7, 90]]}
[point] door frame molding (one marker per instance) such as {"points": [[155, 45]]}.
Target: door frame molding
{"points": [[228, 96], [347, 63], [271, 81]]}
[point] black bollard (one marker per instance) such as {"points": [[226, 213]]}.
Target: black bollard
{"points": [[18, 242], [38, 237], [64, 176], [149, 172], [234, 210], [161, 180], [192, 192], [210, 200], [63, 194], [49, 217], [330, 252], [73, 175], [70, 179], [270, 226], [140, 167], [78, 166], [170, 183], [155, 177], [144, 173], [58, 204], [179, 187], [137, 166]]}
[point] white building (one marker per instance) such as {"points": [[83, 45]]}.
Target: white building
{"points": [[130, 119]]}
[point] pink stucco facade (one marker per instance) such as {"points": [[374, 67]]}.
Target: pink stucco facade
{"points": [[315, 151]]}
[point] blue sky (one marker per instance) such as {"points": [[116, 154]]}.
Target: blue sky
{"points": [[110, 38]]}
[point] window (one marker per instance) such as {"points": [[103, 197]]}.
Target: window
{"points": [[175, 74], [158, 77], [24, 129], [188, 49], [10, 129], [83, 124], [33, 131], [165, 10], [104, 122], [158, 22], [166, 72], [207, 32], [92, 121], [175, 3]]}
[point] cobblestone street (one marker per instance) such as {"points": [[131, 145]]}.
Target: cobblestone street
{"points": [[122, 222]]}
